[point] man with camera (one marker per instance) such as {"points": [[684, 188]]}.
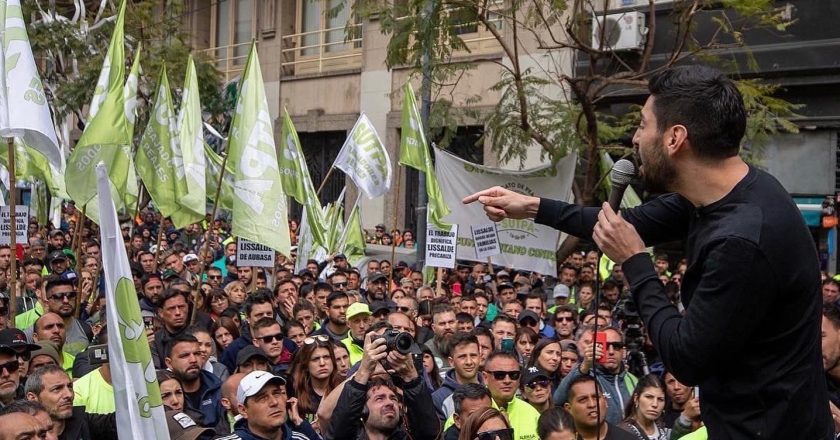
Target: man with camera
{"points": [[386, 398]]}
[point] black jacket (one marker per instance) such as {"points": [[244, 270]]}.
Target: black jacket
{"points": [[751, 332], [347, 424], [84, 426]]}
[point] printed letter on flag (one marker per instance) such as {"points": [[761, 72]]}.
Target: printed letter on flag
{"points": [[136, 390]]}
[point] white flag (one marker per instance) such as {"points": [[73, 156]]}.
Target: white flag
{"points": [[364, 158], [136, 390], [24, 110]]}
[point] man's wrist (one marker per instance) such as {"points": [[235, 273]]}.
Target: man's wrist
{"points": [[684, 421], [532, 207]]}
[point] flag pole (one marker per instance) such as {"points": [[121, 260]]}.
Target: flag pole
{"points": [[393, 239], [12, 232], [204, 249], [159, 237], [324, 182]]}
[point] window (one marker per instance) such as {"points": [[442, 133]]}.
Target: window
{"points": [[323, 25], [234, 23]]}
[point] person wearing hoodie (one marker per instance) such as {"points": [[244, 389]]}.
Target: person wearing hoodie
{"points": [[152, 287], [266, 412], [464, 358], [202, 389], [615, 381]]}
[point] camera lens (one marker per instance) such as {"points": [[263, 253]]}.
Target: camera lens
{"points": [[402, 343]]}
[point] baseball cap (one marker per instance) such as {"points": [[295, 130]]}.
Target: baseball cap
{"points": [[378, 306], [56, 255], [376, 276], [504, 286], [534, 373], [254, 382], [46, 348], [249, 352], [339, 257], [502, 274], [527, 314], [380, 226], [561, 291], [16, 339], [190, 257], [183, 427], [356, 309]]}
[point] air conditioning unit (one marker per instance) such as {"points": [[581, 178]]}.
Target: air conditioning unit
{"points": [[624, 31]]}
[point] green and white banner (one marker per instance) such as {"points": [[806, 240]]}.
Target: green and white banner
{"points": [[136, 390], [364, 158], [24, 110], [525, 244], [259, 202], [193, 203]]}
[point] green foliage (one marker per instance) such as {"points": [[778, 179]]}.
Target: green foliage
{"points": [[73, 57], [766, 116]]}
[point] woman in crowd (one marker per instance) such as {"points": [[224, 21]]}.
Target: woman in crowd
{"points": [[294, 331], [486, 424], [236, 293], [642, 415], [536, 388], [342, 359], [171, 390], [525, 339], [219, 302], [546, 356], [432, 371], [312, 375], [585, 294], [556, 424], [304, 312], [224, 332], [208, 352]]}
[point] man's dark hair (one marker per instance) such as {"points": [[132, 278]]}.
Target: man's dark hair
{"points": [[51, 281], [321, 287], [500, 354], [706, 102], [568, 266], [148, 277], [484, 331], [472, 391], [554, 420], [464, 317], [610, 284], [178, 339], [172, 293], [30, 407], [580, 379], [334, 296], [566, 308], [264, 323], [503, 318], [230, 312], [440, 309], [261, 296], [831, 281], [461, 338]]}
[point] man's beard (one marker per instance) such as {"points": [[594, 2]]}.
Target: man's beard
{"points": [[658, 173]]}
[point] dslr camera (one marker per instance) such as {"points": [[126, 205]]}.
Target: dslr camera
{"points": [[398, 341]]}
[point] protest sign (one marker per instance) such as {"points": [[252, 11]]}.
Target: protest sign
{"points": [[441, 246], [486, 240], [253, 254], [21, 225]]}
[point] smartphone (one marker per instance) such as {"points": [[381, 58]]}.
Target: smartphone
{"points": [[98, 354], [508, 345], [601, 339], [149, 322]]}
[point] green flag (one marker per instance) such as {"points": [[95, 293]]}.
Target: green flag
{"points": [[259, 203], [414, 152], [132, 190], [157, 159], [297, 182], [106, 137], [38, 202], [32, 165], [214, 167], [193, 202], [353, 238]]}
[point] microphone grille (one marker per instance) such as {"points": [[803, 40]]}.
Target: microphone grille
{"points": [[622, 172]]}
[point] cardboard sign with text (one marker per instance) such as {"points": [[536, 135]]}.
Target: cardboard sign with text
{"points": [[21, 225], [253, 254], [486, 240], [441, 247]]}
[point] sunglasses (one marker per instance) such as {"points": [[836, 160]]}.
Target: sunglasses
{"points": [[500, 375], [564, 319], [268, 338], [344, 284], [539, 383], [11, 367], [615, 345], [214, 277], [318, 338], [500, 434], [61, 296], [403, 309]]}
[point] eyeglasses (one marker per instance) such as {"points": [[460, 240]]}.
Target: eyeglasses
{"points": [[615, 345], [268, 338], [500, 434], [564, 319], [60, 296], [403, 309], [11, 367], [317, 338], [500, 375], [344, 284], [539, 383], [214, 277]]}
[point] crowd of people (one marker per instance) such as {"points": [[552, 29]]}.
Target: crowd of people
{"points": [[334, 351]]}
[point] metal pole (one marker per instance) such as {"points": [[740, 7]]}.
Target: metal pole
{"points": [[425, 109]]}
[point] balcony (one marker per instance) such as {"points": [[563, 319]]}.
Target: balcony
{"points": [[230, 59], [322, 51]]}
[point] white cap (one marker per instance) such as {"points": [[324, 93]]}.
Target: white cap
{"points": [[190, 257], [254, 382], [561, 291]]}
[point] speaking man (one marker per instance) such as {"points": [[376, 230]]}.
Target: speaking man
{"points": [[748, 337]]}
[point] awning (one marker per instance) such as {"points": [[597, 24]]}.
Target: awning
{"points": [[811, 209]]}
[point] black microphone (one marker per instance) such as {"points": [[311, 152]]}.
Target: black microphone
{"points": [[623, 172]]}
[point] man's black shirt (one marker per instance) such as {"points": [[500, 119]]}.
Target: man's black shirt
{"points": [[751, 332]]}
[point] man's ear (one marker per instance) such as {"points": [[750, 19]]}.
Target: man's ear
{"points": [[677, 137], [225, 403], [168, 362], [456, 420]]}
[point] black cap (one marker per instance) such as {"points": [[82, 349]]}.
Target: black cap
{"points": [[56, 255], [16, 339], [527, 314], [534, 373], [378, 306], [376, 276], [249, 352], [339, 257], [504, 286]]}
